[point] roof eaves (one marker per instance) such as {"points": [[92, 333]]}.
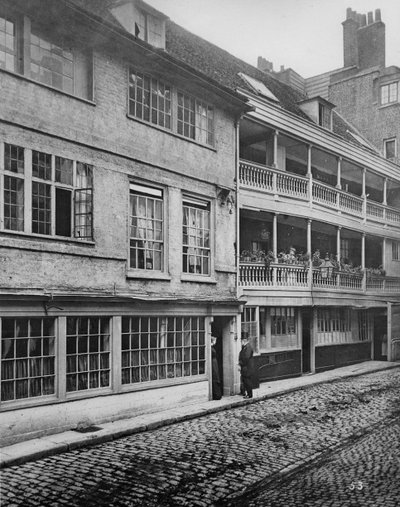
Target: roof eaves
{"points": [[120, 31]]}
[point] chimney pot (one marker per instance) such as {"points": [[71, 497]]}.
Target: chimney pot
{"points": [[349, 13], [282, 68], [363, 20], [378, 15], [370, 18]]}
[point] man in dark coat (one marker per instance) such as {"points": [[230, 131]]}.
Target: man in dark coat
{"points": [[215, 378], [247, 367]]}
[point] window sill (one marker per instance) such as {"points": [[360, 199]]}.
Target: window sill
{"points": [[157, 384], [198, 279], [171, 132], [278, 350], [48, 87], [34, 236], [148, 275], [383, 106]]}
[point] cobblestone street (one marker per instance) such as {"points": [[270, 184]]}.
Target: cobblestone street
{"points": [[362, 474], [223, 457]]}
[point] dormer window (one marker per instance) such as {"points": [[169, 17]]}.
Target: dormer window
{"points": [[149, 29], [142, 21], [319, 110], [324, 116]]}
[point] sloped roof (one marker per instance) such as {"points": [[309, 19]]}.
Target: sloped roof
{"points": [[224, 67], [221, 66]]}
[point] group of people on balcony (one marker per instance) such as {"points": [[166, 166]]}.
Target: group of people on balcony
{"points": [[290, 257]]}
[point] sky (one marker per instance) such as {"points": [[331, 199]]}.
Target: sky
{"points": [[306, 35]]}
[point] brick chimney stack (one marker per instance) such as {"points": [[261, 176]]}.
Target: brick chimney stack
{"points": [[363, 39]]}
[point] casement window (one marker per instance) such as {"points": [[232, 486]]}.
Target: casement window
{"points": [[364, 326], [250, 326], [333, 319], [8, 42], [27, 358], [149, 99], [282, 321], [395, 251], [150, 29], [88, 353], [390, 148], [29, 48], [334, 325], [283, 327], [344, 249], [195, 119], [196, 237], [158, 348], [53, 196], [14, 167], [146, 241], [389, 93], [324, 116], [154, 101]]}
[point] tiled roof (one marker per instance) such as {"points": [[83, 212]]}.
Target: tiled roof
{"points": [[223, 67], [220, 65]]}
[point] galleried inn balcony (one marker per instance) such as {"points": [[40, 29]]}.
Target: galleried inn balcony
{"points": [[278, 276], [308, 188]]}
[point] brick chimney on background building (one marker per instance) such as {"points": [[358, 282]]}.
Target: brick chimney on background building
{"points": [[363, 40]]}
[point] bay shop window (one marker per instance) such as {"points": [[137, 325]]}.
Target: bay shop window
{"points": [[154, 101], [343, 325], [147, 349], [45, 194]]}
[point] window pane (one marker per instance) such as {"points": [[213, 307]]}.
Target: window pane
{"points": [[146, 231], [149, 363], [27, 358], [195, 234], [88, 353], [149, 99]]}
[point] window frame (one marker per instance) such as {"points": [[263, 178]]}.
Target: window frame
{"points": [[387, 98], [385, 151], [161, 341], [395, 251], [146, 191], [82, 60], [30, 358], [199, 204], [32, 180], [250, 323], [174, 109]]}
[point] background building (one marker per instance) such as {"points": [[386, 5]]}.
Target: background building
{"points": [[364, 90]]}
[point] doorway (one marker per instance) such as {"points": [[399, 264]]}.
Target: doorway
{"points": [[217, 330], [380, 338], [306, 342]]}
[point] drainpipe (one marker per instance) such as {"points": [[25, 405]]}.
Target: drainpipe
{"points": [[310, 267], [237, 216], [364, 280], [309, 174]]}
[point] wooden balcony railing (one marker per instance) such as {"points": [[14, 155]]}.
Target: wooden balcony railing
{"points": [[298, 276], [300, 187]]}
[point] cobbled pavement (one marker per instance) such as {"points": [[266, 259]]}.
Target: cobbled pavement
{"points": [[216, 458]]}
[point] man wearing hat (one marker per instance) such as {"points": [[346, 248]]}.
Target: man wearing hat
{"points": [[247, 366]]}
